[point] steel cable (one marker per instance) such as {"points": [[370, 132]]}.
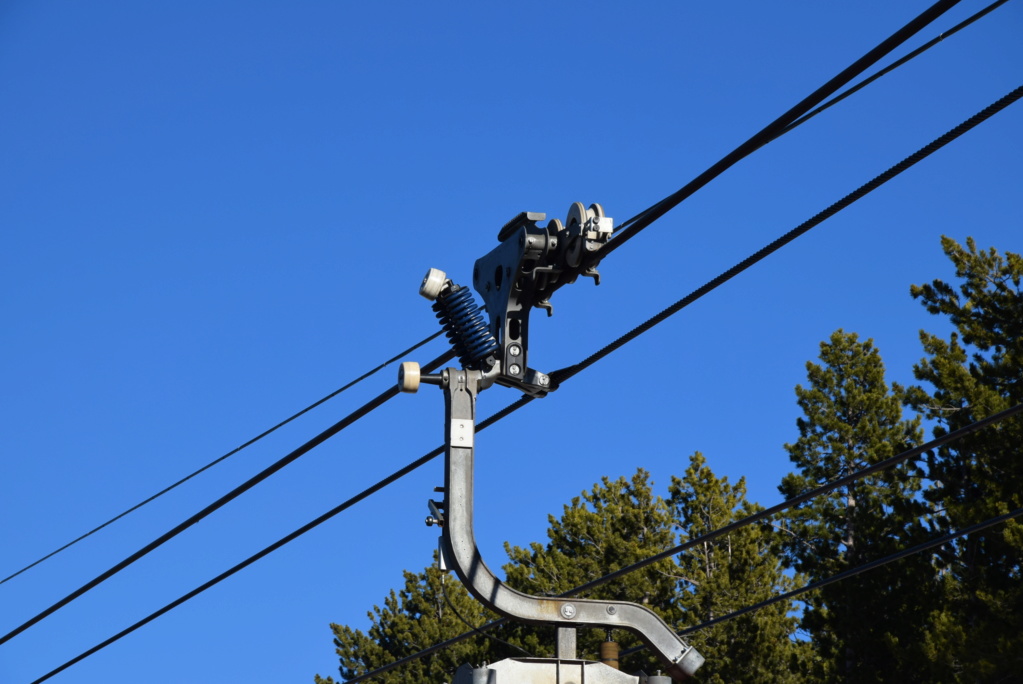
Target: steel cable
{"points": [[849, 91], [771, 131]]}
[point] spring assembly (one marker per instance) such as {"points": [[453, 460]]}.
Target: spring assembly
{"points": [[465, 326]]}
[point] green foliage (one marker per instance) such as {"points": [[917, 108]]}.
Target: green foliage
{"points": [[615, 524], [977, 632], [428, 610], [732, 572], [852, 420]]}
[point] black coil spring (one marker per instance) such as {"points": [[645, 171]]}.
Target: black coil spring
{"points": [[465, 326]]}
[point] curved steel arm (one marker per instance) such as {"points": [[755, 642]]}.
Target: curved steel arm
{"points": [[460, 389]]}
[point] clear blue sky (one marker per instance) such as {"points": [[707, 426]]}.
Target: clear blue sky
{"points": [[215, 213]]}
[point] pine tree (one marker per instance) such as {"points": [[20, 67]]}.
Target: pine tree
{"points": [[615, 524], [732, 572], [431, 608], [977, 633], [868, 628]]}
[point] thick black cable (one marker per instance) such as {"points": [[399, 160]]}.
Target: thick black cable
{"points": [[234, 451], [849, 91], [863, 190], [710, 536], [773, 129], [895, 65], [566, 373], [233, 494], [852, 572]]}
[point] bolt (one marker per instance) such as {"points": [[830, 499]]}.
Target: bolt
{"points": [[515, 350], [568, 611], [544, 379], [611, 610], [514, 369]]}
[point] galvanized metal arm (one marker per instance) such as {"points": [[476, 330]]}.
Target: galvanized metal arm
{"points": [[462, 555]]}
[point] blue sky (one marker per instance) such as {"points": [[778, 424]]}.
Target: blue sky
{"points": [[216, 213]]}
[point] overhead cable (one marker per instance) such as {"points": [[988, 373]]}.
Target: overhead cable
{"points": [[566, 373], [233, 494], [846, 93], [234, 451], [773, 129], [895, 65], [799, 230]]}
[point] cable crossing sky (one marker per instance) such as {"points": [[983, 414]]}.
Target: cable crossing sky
{"points": [[771, 131], [564, 374]]}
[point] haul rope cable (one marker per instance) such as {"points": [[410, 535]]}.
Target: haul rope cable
{"points": [[769, 132], [564, 374], [878, 52], [234, 451], [849, 91]]}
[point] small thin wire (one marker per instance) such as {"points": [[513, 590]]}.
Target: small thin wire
{"points": [[852, 572], [234, 451], [233, 494]]}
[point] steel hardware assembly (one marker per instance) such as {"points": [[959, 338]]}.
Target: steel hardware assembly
{"points": [[519, 274]]}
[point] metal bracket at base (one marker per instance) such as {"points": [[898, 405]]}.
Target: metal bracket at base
{"points": [[461, 388]]}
